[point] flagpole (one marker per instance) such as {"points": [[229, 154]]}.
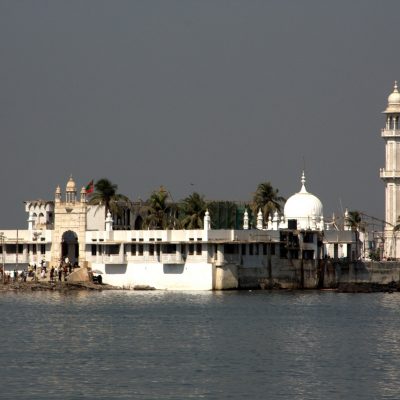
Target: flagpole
{"points": [[17, 252]]}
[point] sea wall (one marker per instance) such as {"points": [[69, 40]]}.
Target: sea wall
{"points": [[336, 273], [281, 273], [313, 274]]}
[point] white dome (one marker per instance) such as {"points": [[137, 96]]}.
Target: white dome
{"points": [[393, 101], [71, 187], [304, 207]]}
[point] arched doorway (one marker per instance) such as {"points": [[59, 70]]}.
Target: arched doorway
{"points": [[70, 246], [138, 223]]}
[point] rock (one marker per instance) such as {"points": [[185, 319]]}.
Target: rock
{"points": [[143, 287]]}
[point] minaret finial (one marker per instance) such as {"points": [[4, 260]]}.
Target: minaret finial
{"points": [[395, 86], [303, 183], [303, 178]]}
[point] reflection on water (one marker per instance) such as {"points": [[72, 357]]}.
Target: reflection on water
{"points": [[224, 345]]}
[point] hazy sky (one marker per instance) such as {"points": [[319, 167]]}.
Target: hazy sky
{"points": [[212, 96]]}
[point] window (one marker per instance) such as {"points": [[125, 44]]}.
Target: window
{"points": [[133, 249], [169, 248], [308, 237], [113, 249], [43, 248], [151, 249], [11, 248], [251, 249], [126, 248], [230, 248], [264, 246], [243, 249], [94, 252], [191, 249], [198, 249], [140, 249]]}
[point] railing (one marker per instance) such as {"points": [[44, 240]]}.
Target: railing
{"points": [[12, 258], [390, 132], [111, 259], [172, 259], [389, 174]]}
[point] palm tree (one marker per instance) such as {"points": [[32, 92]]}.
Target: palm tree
{"points": [[193, 209], [354, 221], [105, 193], [161, 214], [267, 200]]}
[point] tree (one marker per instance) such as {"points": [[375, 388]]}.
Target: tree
{"points": [[105, 193], [193, 209], [267, 199], [161, 214], [354, 221]]}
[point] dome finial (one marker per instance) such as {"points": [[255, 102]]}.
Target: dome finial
{"points": [[303, 183], [395, 86]]}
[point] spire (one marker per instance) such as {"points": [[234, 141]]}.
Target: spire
{"points": [[109, 222], [207, 221], [259, 219], [395, 87], [303, 183], [246, 219]]}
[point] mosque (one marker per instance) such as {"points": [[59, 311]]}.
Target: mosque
{"points": [[202, 259]]}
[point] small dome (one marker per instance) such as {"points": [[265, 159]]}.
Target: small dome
{"points": [[71, 187], [393, 101], [304, 207], [58, 190]]}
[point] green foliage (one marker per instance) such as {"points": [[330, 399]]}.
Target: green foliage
{"points": [[192, 210], [354, 220], [267, 199], [375, 255], [105, 193], [161, 214], [226, 214]]}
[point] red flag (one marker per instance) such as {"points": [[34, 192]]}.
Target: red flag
{"points": [[89, 187]]}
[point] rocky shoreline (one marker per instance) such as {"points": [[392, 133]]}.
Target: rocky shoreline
{"points": [[54, 286], [33, 286]]}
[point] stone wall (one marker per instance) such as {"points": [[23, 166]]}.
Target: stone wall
{"points": [[312, 274]]}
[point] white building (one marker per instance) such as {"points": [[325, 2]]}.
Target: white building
{"points": [[390, 175], [170, 259]]}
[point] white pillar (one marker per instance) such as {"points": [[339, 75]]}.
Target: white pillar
{"points": [[275, 221], [109, 222], [31, 221], [246, 220], [259, 219]]}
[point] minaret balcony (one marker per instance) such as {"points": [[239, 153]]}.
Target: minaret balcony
{"points": [[389, 174], [390, 133]]}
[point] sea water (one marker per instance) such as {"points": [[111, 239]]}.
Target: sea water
{"points": [[199, 345]]}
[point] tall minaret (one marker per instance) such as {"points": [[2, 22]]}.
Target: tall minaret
{"points": [[391, 173]]}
